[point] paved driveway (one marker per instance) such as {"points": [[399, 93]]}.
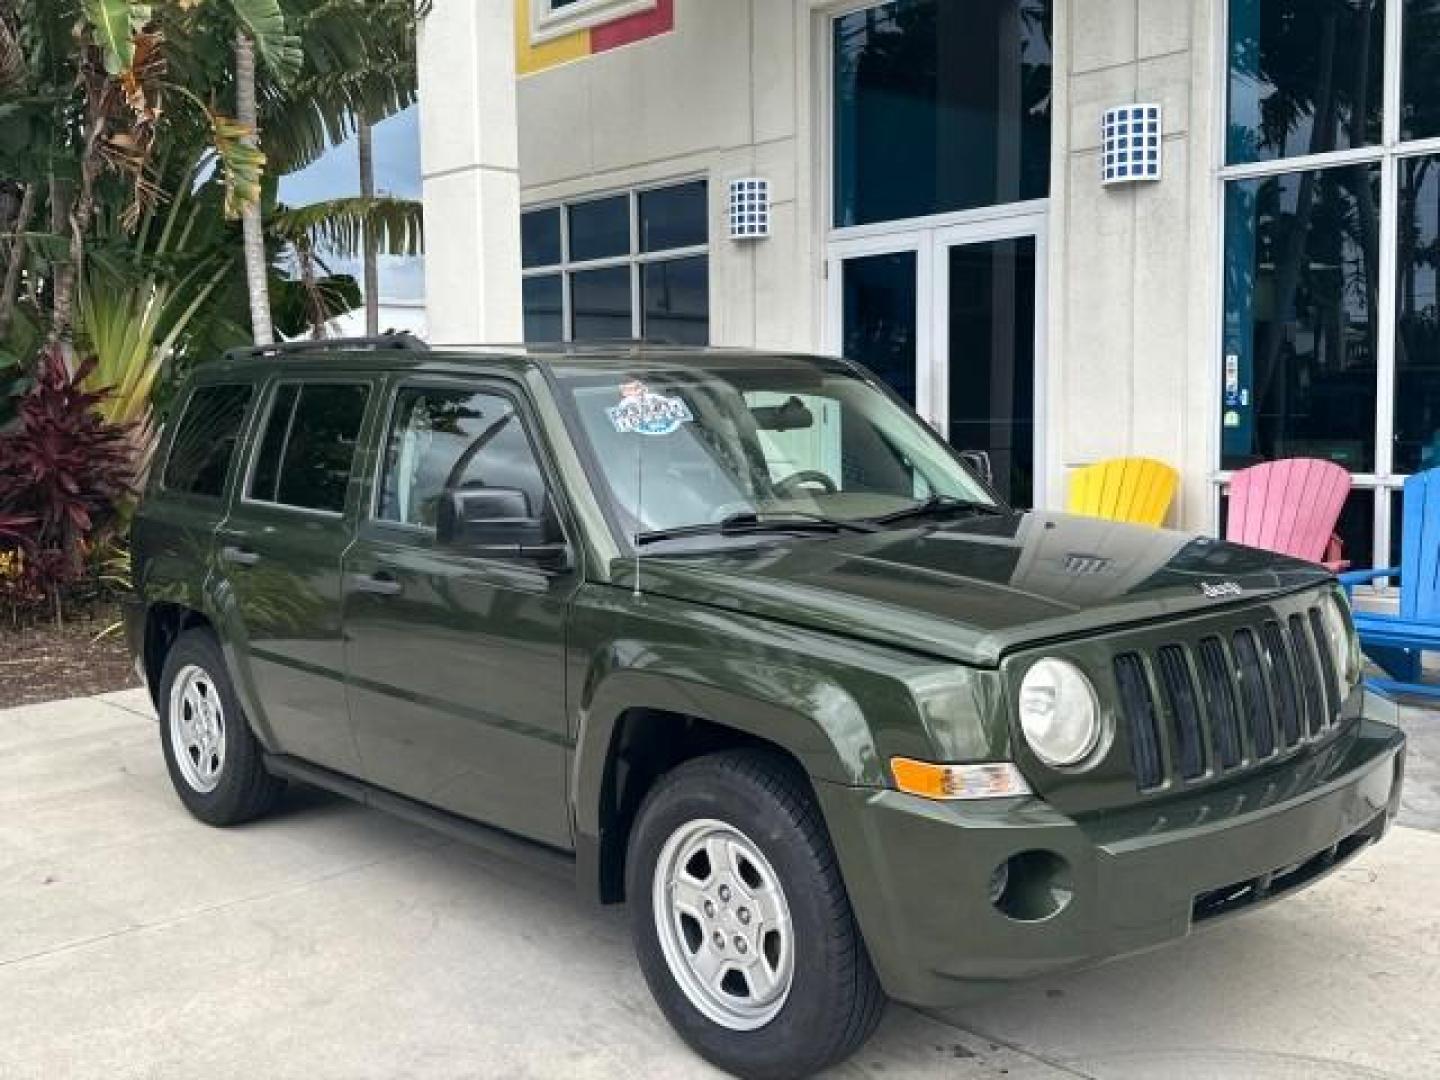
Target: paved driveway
{"points": [[332, 941]]}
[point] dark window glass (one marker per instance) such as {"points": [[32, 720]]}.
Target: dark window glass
{"points": [[674, 217], [1301, 274], [880, 317], [444, 440], [1420, 76], [319, 434], [600, 229], [600, 304], [540, 238], [1417, 300], [941, 106], [204, 444], [544, 308], [1306, 76], [992, 359], [265, 481], [676, 298]]}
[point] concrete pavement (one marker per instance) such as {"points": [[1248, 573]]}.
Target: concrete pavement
{"points": [[331, 941]]}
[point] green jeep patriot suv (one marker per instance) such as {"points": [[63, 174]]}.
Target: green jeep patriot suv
{"points": [[737, 639]]}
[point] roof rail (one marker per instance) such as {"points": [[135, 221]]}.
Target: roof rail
{"points": [[404, 341]]}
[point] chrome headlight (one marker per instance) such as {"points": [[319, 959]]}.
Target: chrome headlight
{"points": [[1340, 640], [1059, 713]]}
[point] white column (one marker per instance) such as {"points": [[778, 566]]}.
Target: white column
{"points": [[469, 160]]}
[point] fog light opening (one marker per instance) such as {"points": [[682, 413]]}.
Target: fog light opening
{"points": [[1032, 886]]}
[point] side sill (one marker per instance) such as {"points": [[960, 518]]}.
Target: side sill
{"points": [[507, 845]]}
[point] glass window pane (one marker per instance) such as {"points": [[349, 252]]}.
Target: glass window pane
{"points": [[433, 432], [600, 229], [1306, 76], [1301, 274], [540, 238], [1417, 301], [992, 359], [941, 106], [674, 217], [205, 441], [677, 301], [265, 481], [323, 430], [600, 304], [1420, 75], [880, 317], [544, 308]]}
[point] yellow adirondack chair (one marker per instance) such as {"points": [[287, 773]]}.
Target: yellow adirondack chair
{"points": [[1137, 490]]}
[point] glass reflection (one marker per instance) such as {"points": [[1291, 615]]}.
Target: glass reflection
{"points": [[1417, 336], [1301, 274]]}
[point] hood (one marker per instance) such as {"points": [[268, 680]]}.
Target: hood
{"points": [[974, 590]]}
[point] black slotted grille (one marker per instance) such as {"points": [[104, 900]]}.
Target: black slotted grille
{"points": [[1254, 693], [1287, 692], [1216, 685], [1137, 703], [1309, 674], [1327, 666], [1223, 703], [1179, 690]]}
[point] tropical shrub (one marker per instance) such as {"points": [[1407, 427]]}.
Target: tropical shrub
{"points": [[63, 480]]}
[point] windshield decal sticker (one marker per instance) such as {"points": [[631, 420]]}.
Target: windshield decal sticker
{"points": [[643, 412]]}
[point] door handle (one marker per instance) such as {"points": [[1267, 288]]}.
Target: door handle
{"points": [[378, 584], [239, 556]]}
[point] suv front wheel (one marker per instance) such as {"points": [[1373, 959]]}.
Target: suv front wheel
{"points": [[741, 921], [215, 762]]}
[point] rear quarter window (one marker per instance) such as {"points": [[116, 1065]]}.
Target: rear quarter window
{"points": [[205, 440], [309, 445]]}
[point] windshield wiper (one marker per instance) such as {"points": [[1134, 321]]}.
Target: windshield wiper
{"points": [[750, 523], [939, 504]]}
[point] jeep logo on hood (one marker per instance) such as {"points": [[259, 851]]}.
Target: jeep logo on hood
{"points": [[1223, 589]]}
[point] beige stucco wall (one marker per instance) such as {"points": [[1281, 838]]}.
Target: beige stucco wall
{"points": [[722, 96]]}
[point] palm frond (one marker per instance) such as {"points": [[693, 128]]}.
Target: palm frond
{"points": [[338, 226], [278, 48]]}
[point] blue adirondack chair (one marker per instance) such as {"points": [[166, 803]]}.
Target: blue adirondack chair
{"points": [[1397, 642]]}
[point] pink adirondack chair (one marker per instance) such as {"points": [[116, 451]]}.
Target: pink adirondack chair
{"points": [[1290, 507]]}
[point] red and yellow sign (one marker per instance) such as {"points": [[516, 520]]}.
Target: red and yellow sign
{"points": [[626, 30]]}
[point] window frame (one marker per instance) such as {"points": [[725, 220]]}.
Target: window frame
{"points": [[547, 22], [635, 260], [242, 439], [1382, 481], [499, 386], [257, 439]]}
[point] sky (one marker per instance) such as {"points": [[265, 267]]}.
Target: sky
{"points": [[397, 172]]}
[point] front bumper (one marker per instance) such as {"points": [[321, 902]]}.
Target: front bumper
{"points": [[918, 872]]}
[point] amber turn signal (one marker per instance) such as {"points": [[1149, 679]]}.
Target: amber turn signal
{"points": [[992, 780]]}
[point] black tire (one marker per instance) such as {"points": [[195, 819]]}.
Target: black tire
{"points": [[244, 791], [835, 1000]]}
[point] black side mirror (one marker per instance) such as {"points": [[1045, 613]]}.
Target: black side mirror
{"points": [[979, 462], [496, 523]]}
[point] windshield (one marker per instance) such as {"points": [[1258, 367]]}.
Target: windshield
{"points": [[692, 445]]}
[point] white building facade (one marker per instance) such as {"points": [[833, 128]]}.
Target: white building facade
{"points": [[935, 176]]}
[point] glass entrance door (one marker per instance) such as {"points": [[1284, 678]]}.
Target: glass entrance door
{"points": [[952, 319], [985, 356]]}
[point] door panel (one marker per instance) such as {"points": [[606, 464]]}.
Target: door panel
{"points": [[456, 664], [281, 566]]}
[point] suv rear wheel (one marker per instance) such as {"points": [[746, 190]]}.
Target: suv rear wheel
{"points": [[215, 762], [741, 921]]}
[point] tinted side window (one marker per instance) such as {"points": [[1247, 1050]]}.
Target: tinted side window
{"points": [[441, 440], [205, 441], [309, 445]]}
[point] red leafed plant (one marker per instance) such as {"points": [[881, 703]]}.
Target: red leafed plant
{"points": [[63, 478]]}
